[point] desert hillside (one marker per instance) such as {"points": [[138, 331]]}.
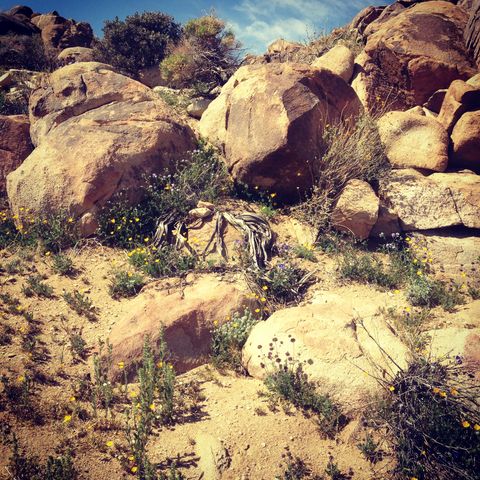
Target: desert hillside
{"points": [[219, 265]]}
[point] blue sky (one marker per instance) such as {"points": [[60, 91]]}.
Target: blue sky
{"points": [[255, 22]]}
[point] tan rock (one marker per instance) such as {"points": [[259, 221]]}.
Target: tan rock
{"points": [[466, 141], [465, 190], [328, 338], [15, 145], [76, 54], [268, 121], [99, 132], [412, 140], [419, 202], [339, 60], [187, 313], [409, 58], [434, 103], [152, 77], [460, 98], [214, 458], [387, 223], [198, 107], [356, 211]]}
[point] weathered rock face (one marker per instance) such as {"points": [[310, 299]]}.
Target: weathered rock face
{"points": [[76, 54], [466, 141], [356, 211], [413, 140], [338, 60], [198, 106], [15, 145], [333, 346], [465, 190], [365, 17], [414, 53], [419, 202], [461, 97], [187, 314], [14, 25], [439, 200], [96, 132], [58, 32], [269, 119]]}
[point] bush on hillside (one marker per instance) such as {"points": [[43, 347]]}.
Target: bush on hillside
{"points": [[205, 58], [140, 41], [24, 52]]}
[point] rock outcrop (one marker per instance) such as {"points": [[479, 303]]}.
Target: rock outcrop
{"points": [[466, 141], [96, 132], [411, 54], [356, 211], [15, 145], [76, 54], [329, 340], [187, 314], [412, 140], [269, 119], [436, 201], [339, 60], [472, 31]]}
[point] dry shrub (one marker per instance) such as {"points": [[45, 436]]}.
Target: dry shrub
{"points": [[353, 150]]}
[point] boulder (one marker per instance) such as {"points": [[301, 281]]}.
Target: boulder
{"points": [[96, 132], [58, 32], [453, 253], [328, 339], [76, 54], [269, 119], [466, 141], [20, 10], [461, 97], [151, 76], [387, 223], [419, 202], [458, 338], [188, 313], [283, 47], [465, 190], [356, 211], [13, 25], [413, 53], [15, 145], [413, 140], [339, 60], [198, 106], [472, 31], [365, 17]]}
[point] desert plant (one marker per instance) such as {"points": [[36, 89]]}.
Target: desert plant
{"points": [[140, 41], [431, 413], [102, 395], [80, 303], [25, 52], [166, 197], [63, 265], [352, 150], [370, 449], [14, 104], [289, 382], [36, 286], [206, 57], [305, 251], [126, 284], [19, 394], [229, 338], [294, 468], [425, 292]]}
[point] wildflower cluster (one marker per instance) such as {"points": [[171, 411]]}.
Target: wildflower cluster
{"points": [[126, 284], [161, 262], [229, 338]]}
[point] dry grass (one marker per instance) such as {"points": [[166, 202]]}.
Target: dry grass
{"points": [[351, 152]]}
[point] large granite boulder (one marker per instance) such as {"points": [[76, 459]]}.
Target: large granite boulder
{"points": [[269, 119], [96, 132]]}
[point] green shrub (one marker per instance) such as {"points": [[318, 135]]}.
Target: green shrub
{"points": [[306, 252], [366, 268], [206, 57], [282, 284], [80, 303], [36, 286], [171, 195], [63, 265], [289, 382], [14, 105], [431, 413], [229, 338], [126, 284], [162, 262], [25, 52], [140, 41], [425, 292]]}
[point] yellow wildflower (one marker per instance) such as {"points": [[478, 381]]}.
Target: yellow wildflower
{"points": [[121, 365], [465, 424], [134, 469], [109, 444], [265, 288], [476, 427], [67, 419], [391, 388]]}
